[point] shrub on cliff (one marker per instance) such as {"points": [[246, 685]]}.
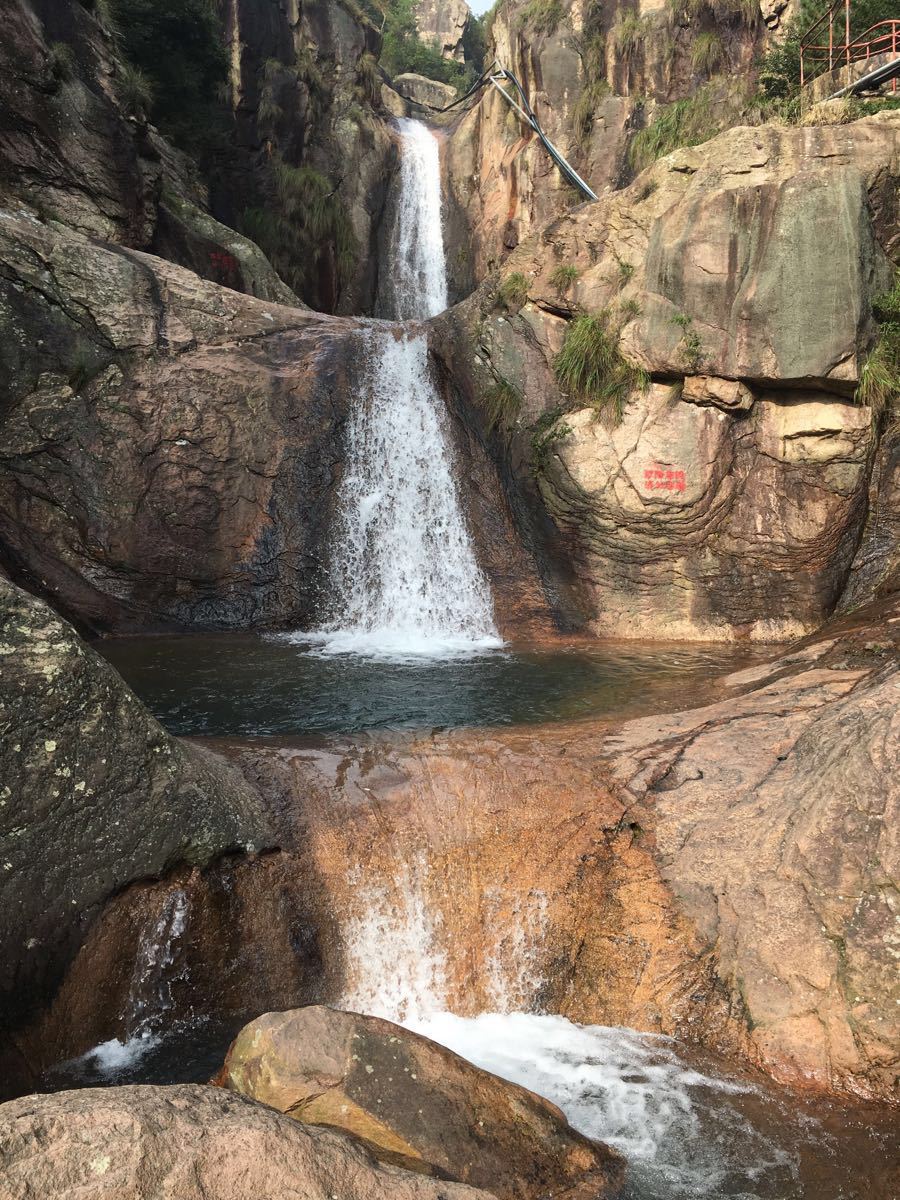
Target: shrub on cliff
{"points": [[176, 45], [879, 380], [592, 368]]}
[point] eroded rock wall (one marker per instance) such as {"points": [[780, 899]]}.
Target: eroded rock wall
{"points": [[595, 76], [730, 499]]}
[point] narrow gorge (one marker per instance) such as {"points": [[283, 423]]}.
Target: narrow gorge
{"points": [[449, 658]]}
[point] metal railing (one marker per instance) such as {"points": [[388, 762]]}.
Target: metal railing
{"points": [[818, 56], [495, 76]]}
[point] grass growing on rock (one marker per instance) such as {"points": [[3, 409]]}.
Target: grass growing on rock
{"points": [[545, 433], [563, 276], [513, 292], [879, 380], [592, 368], [541, 16], [502, 404]]}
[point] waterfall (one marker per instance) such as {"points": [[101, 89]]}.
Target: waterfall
{"points": [[404, 579], [150, 995], [416, 286]]}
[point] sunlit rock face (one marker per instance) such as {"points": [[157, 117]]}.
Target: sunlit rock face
{"points": [[443, 24], [415, 1104], [716, 874], [194, 1143], [594, 77], [730, 500]]}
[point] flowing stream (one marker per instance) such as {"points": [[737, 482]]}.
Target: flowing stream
{"points": [[404, 580], [405, 583]]}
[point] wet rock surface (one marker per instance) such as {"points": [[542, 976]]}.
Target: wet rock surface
{"points": [[184, 1143], [723, 875], [94, 795], [415, 1104]]}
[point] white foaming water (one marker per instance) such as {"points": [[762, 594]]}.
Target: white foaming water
{"points": [[394, 963], [404, 579], [679, 1129], [150, 994], [418, 281]]}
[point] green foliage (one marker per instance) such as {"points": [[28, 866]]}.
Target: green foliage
{"points": [[563, 276], [686, 122], [502, 403], [368, 80], [475, 42], [61, 61], [403, 51], [691, 347], [630, 34], [513, 292], [134, 90], [624, 270], [178, 47], [745, 11], [707, 53], [592, 368], [779, 67], [545, 433], [541, 16], [308, 218], [879, 380], [585, 107]]}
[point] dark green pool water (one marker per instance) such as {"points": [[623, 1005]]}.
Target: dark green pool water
{"points": [[222, 684]]}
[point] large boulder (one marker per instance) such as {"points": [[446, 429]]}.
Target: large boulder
{"points": [[93, 794], [188, 1143], [416, 1104], [730, 500], [169, 447]]}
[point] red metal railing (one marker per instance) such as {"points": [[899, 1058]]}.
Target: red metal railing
{"points": [[817, 57]]}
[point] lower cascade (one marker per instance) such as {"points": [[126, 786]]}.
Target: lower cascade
{"points": [[404, 577]]}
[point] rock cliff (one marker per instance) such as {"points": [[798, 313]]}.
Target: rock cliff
{"points": [[730, 499]]}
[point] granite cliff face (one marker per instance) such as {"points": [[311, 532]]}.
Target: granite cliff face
{"points": [[730, 499], [595, 75], [443, 24]]}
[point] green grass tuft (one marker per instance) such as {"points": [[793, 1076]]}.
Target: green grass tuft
{"points": [[563, 276], [545, 433], [513, 292], [541, 16], [61, 61], [707, 53], [687, 122], [592, 368], [134, 89], [502, 404], [879, 379]]}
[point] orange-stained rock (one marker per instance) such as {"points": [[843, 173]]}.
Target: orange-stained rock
{"points": [[188, 1143], [416, 1104], [721, 874]]}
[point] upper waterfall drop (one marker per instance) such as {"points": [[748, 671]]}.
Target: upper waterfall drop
{"points": [[417, 286], [404, 579]]}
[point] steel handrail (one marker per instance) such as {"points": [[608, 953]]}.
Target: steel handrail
{"points": [[859, 48]]}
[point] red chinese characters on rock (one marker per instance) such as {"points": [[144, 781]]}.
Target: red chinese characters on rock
{"points": [[222, 261], [663, 479]]}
